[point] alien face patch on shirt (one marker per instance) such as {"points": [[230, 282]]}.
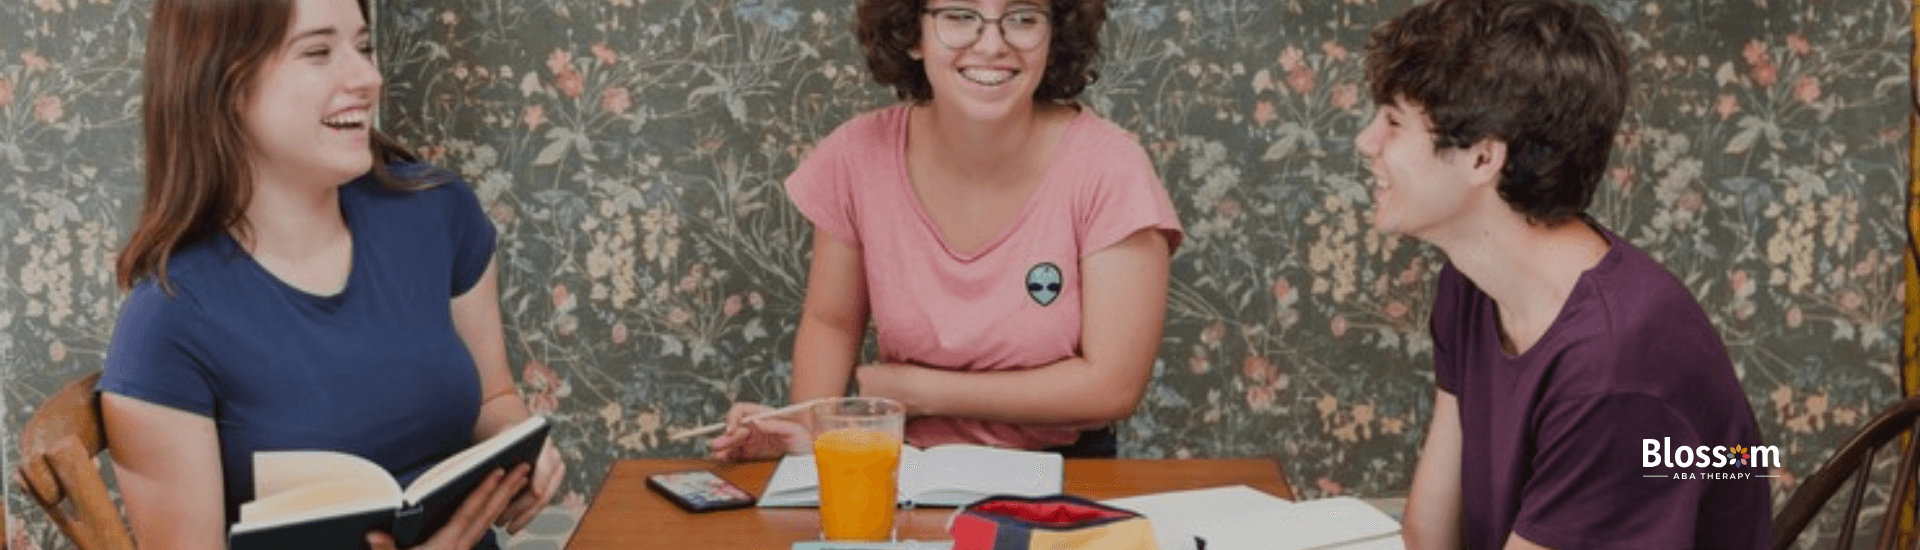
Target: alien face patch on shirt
{"points": [[1043, 283]]}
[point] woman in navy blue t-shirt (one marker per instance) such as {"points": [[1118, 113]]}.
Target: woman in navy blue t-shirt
{"points": [[297, 282]]}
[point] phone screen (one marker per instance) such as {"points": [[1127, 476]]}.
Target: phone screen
{"points": [[700, 490]]}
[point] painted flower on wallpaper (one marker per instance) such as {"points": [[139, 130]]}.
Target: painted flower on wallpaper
{"points": [[533, 116], [1742, 300], [1395, 309], [6, 92], [604, 54], [34, 62], [1300, 77], [1760, 64], [1345, 96], [48, 109], [1197, 363], [1336, 52], [566, 78], [545, 388], [1262, 81], [1806, 89], [615, 99], [17, 537], [612, 265], [1726, 106], [1334, 255], [661, 240], [639, 434], [1329, 487], [47, 279], [1285, 297], [1799, 45], [1258, 370], [1263, 381]]}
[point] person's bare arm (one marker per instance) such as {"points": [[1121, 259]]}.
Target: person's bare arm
{"points": [[476, 318], [833, 323], [1433, 506], [166, 463]]}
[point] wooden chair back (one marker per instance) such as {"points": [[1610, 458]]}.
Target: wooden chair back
{"points": [[59, 468], [1856, 457]]}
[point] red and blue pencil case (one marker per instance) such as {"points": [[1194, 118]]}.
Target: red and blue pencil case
{"points": [[1058, 522]]}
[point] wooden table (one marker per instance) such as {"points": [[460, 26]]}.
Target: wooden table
{"points": [[626, 515]]}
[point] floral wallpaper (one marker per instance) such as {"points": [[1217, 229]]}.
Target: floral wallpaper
{"points": [[631, 154]]}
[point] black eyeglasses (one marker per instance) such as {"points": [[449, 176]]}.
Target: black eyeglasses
{"points": [[960, 28]]}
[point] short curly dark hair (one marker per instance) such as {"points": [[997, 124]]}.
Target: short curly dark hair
{"points": [[888, 29], [1548, 77]]}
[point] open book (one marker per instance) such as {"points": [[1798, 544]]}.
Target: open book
{"points": [[330, 500], [943, 475], [1238, 517]]}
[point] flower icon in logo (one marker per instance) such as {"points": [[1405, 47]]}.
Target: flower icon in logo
{"points": [[1739, 454]]}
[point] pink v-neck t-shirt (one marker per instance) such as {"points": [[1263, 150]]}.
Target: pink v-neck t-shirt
{"points": [[1012, 304]]}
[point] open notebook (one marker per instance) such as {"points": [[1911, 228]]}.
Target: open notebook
{"points": [[1238, 517], [943, 475]]}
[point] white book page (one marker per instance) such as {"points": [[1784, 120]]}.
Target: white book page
{"points": [[452, 466], [1338, 522], [1176, 514], [946, 475], [953, 475], [795, 482], [296, 485]]}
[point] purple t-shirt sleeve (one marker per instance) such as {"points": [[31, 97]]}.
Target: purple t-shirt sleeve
{"points": [[1447, 302], [1589, 489]]}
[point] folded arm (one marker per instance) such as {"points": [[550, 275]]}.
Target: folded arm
{"points": [[1124, 302]]}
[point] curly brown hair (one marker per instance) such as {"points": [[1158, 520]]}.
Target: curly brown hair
{"points": [[888, 29], [1548, 77]]}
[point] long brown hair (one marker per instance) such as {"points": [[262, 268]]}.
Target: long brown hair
{"points": [[202, 59]]}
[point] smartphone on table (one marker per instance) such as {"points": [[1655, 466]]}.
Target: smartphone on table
{"points": [[699, 491]]}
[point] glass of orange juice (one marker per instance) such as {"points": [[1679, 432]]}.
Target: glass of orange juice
{"points": [[856, 447]]}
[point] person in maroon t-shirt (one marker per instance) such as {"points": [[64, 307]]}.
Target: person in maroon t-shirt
{"points": [[1584, 399]]}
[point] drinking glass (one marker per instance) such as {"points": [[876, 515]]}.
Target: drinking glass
{"points": [[856, 448]]}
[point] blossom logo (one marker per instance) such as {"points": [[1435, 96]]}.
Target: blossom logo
{"points": [[1741, 456], [1661, 453]]}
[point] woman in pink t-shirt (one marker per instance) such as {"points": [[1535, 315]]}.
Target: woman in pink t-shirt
{"points": [[1020, 243]]}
